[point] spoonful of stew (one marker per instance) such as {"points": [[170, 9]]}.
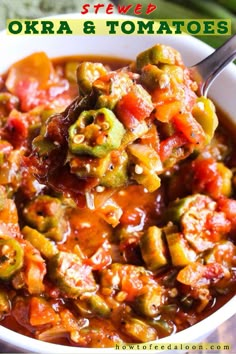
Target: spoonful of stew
{"points": [[126, 126]]}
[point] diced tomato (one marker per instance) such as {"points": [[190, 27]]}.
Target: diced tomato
{"points": [[168, 145], [132, 108], [41, 312], [192, 130], [206, 178], [16, 129], [228, 207]]}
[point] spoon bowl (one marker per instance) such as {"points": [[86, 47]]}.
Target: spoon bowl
{"points": [[207, 70]]}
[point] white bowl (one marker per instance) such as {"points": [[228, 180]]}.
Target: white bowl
{"points": [[223, 92]]}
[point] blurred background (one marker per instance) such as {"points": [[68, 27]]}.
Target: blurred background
{"points": [[178, 9], [166, 9]]}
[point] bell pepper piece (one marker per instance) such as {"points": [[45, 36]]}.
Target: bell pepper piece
{"points": [[95, 133]]}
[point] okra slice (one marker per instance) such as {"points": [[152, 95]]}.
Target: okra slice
{"points": [[95, 133], [71, 276], [148, 303], [11, 257], [45, 214], [88, 166], [150, 76], [117, 173], [87, 73], [111, 87], [98, 306], [205, 114], [39, 241], [138, 330], [177, 208], [180, 251], [146, 165], [158, 54], [153, 248]]}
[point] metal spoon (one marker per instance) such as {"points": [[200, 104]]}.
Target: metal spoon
{"points": [[206, 71]]}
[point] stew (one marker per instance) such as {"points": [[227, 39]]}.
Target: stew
{"points": [[117, 200]]}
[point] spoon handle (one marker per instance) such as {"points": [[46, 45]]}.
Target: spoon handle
{"points": [[209, 68]]}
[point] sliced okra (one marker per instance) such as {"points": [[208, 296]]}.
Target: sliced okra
{"points": [[95, 133]]}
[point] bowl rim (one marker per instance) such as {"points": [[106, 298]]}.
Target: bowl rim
{"points": [[10, 337]]}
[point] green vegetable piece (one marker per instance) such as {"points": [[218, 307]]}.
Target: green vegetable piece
{"points": [[45, 214], [71, 276], [87, 73], [92, 305], [158, 54], [150, 76], [110, 88], [146, 165], [88, 166], [205, 114], [98, 306], [95, 133], [176, 209], [5, 306], [163, 327], [153, 248], [174, 71], [71, 71], [7, 103], [148, 303], [11, 257], [117, 173], [39, 241], [181, 253], [43, 146], [138, 330], [131, 135]]}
